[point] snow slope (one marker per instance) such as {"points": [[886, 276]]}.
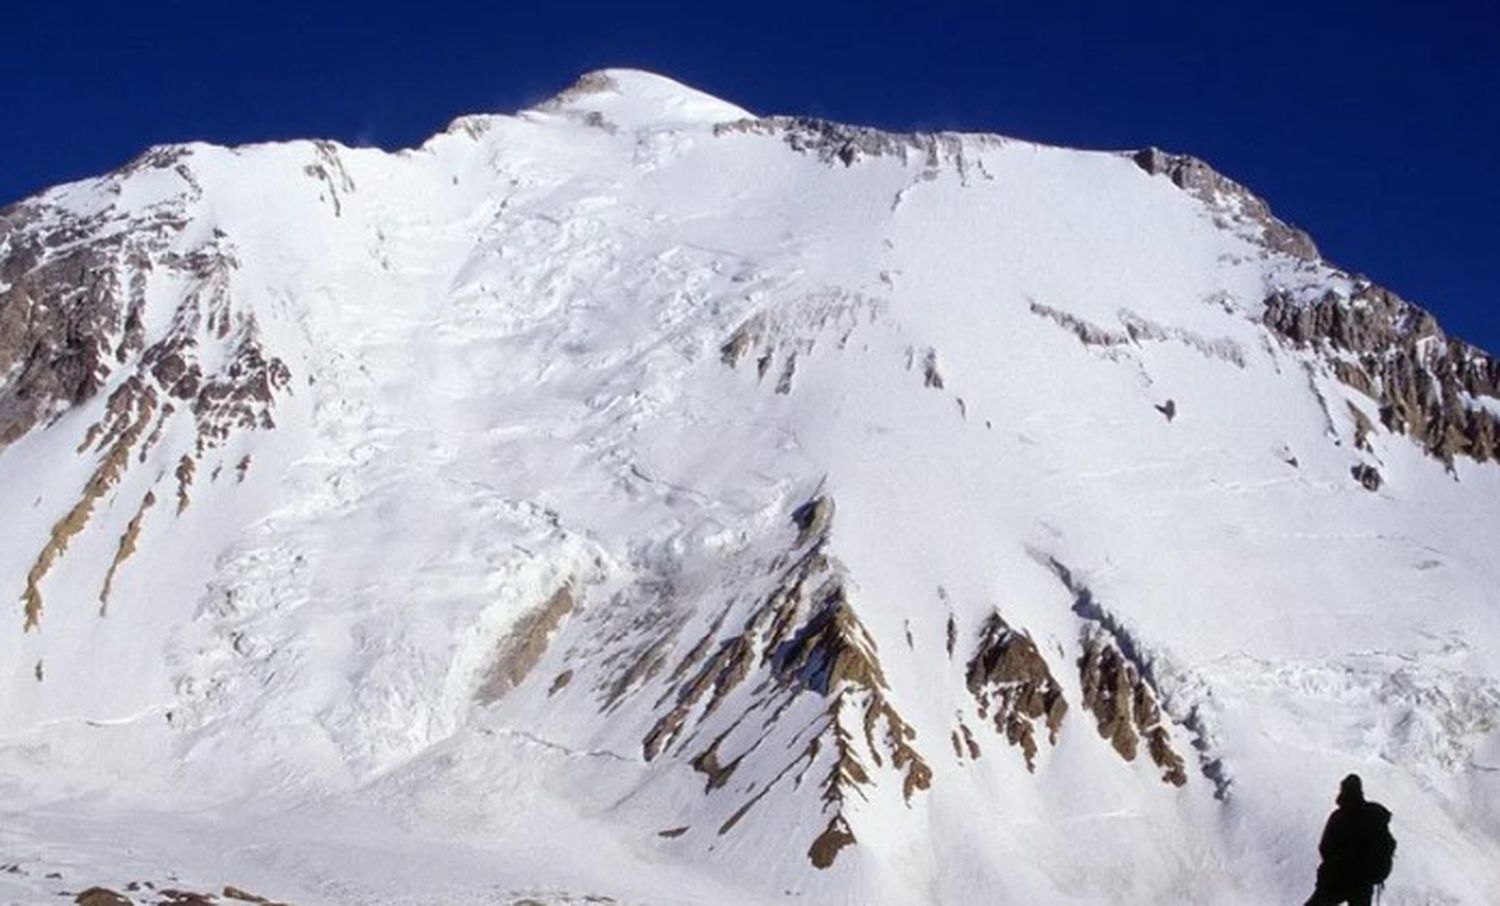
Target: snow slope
{"points": [[618, 499]]}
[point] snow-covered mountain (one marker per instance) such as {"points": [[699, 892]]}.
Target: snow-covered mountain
{"points": [[637, 499]]}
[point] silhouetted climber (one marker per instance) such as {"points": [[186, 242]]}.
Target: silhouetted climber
{"points": [[1357, 849]]}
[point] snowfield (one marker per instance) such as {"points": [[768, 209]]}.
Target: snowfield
{"points": [[613, 502]]}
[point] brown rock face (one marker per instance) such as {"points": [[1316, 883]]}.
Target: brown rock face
{"points": [[1014, 687], [73, 324], [72, 294], [802, 638], [58, 310], [830, 649], [123, 427], [173, 897], [167, 896], [1125, 707], [72, 312], [835, 837], [101, 896], [524, 646], [1425, 383], [125, 549], [1108, 691]]}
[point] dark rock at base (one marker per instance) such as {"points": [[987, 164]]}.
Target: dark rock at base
{"points": [[1368, 476], [101, 896]]}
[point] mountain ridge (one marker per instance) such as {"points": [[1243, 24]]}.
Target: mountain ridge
{"points": [[520, 500]]}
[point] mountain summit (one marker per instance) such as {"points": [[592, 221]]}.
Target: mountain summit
{"points": [[632, 99], [639, 500]]}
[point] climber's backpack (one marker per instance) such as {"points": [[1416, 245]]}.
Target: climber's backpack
{"points": [[1382, 845]]}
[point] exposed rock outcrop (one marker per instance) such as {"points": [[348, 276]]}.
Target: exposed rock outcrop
{"points": [[802, 638], [1427, 385], [596, 82], [167, 896], [837, 143], [1124, 705], [834, 837], [1363, 427], [777, 340], [745, 337], [1087, 332], [931, 377], [73, 292], [132, 407], [522, 648], [1014, 688], [1233, 204], [61, 301], [328, 168], [1368, 476], [127, 546], [101, 896], [812, 519]]}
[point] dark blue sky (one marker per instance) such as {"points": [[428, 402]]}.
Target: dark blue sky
{"points": [[1374, 126]]}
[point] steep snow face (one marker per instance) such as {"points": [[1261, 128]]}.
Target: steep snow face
{"points": [[637, 498]]}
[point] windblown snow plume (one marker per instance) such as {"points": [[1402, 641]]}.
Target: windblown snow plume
{"points": [[636, 500]]}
